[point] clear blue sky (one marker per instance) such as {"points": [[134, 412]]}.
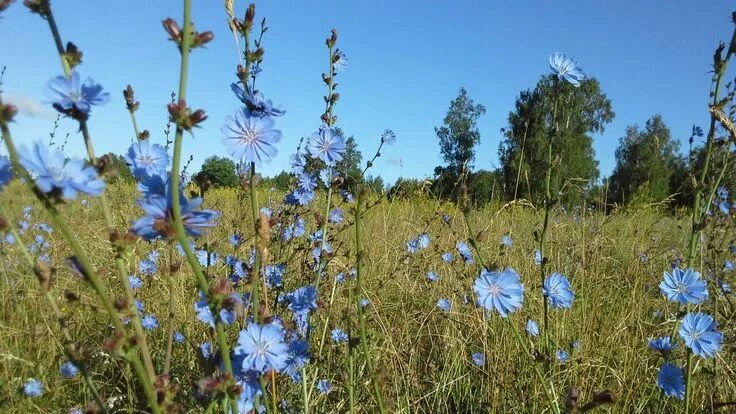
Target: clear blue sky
{"points": [[407, 61]]}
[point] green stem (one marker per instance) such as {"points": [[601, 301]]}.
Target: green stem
{"points": [[148, 389], [171, 321], [186, 40], [58, 43], [256, 273], [356, 296], [551, 398], [120, 265], [547, 209], [305, 390]]}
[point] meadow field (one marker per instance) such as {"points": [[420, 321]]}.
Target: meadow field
{"points": [[421, 353]]}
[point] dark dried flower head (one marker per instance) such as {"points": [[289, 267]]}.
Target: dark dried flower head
{"points": [[73, 55], [4, 4], [130, 101], [40, 7], [7, 113]]}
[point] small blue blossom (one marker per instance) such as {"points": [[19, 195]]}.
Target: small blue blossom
{"points": [[298, 357], [206, 349], [327, 145], [149, 322], [671, 380], [68, 370], [698, 330], [388, 137], [725, 287], [663, 345], [444, 304], [302, 301], [5, 172], [346, 196], [274, 274], [562, 355], [565, 68], [53, 172], [532, 328], [478, 359], [464, 251], [558, 291], [684, 286], [250, 137], [263, 348], [159, 219], [146, 159], [432, 276], [339, 61], [178, 337], [448, 257], [324, 386], [135, 282], [412, 246], [423, 240], [256, 103], [537, 257], [72, 97], [728, 265], [364, 302], [339, 336], [147, 267], [336, 216], [234, 240], [499, 291], [507, 241], [33, 388]]}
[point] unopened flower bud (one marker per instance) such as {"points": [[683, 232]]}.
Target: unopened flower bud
{"points": [[250, 15], [7, 113], [172, 28], [332, 39]]}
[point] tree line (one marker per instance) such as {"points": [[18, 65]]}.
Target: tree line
{"points": [[650, 166]]}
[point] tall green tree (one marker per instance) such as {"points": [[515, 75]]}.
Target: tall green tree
{"points": [[458, 137], [581, 112], [459, 133], [646, 160], [218, 172]]}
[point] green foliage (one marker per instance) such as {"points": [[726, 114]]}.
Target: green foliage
{"points": [[484, 186], [119, 168], [405, 188], [646, 161], [722, 159], [523, 151], [219, 172], [280, 182], [460, 134], [375, 184]]}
